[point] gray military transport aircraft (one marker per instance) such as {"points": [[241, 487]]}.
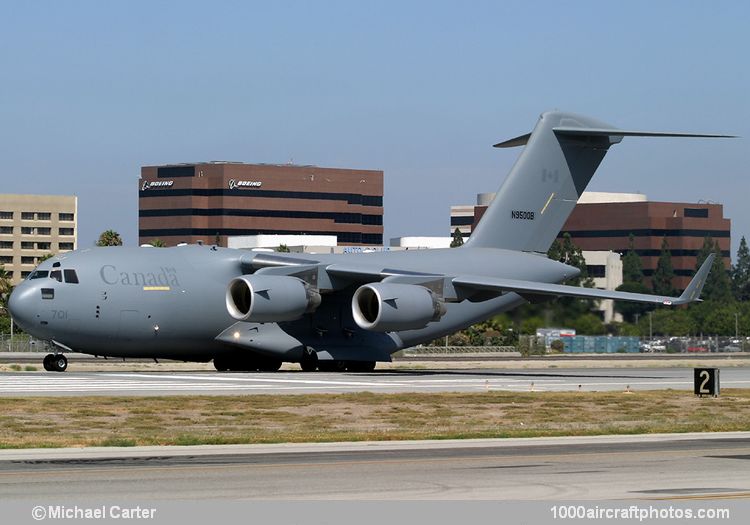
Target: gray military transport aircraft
{"points": [[254, 310]]}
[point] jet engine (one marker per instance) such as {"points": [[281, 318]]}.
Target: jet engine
{"points": [[385, 307], [270, 298]]}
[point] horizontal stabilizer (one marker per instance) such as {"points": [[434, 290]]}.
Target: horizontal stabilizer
{"points": [[599, 132], [522, 140]]}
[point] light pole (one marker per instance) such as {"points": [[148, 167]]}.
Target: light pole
{"points": [[650, 328]]}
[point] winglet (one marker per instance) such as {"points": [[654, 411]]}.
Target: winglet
{"points": [[694, 289]]}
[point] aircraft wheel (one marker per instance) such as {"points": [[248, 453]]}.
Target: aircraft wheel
{"points": [[309, 365], [309, 361], [360, 366], [270, 365], [332, 366], [221, 364], [47, 362], [59, 363]]}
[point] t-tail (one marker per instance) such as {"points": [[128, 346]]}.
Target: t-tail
{"points": [[560, 156]]}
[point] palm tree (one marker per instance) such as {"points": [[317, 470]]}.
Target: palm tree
{"points": [[109, 238], [158, 243], [5, 288]]}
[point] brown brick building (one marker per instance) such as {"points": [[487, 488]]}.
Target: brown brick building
{"points": [[607, 225], [198, 202]]}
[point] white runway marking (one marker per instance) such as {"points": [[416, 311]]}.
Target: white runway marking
{"points": [[264, 379]]}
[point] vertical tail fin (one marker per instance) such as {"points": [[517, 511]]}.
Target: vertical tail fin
{"points": [[557, 163]]}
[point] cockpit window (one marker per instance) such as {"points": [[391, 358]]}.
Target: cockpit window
{"points": [[56, 275], [39, 274], [70, 276]]}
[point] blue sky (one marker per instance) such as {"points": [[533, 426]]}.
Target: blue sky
{"points": [[91, 91]]}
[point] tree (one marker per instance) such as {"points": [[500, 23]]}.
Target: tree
{"points": [[109, 238], [741, 273], [632, 269], [564, 310], [718, 287], [458, 239], [630, 310], [44, 257], [5, 288], [632, 281], [4, 280], [158, 243], [283, 248], [567, 252], [587, 324], [669, 321], [664, 273]]}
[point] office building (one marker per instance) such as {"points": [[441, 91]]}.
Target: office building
{"points": [[33, 226], [209, 202]]}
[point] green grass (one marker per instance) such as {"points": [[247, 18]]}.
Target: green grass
{"points": [[182, 420]]}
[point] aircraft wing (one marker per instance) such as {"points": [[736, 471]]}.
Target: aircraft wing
{"points": [[452, 289], [691, 293]]}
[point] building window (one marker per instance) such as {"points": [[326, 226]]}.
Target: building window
{"points": [[43, 245], [43, 216], [66, 216], [596, 270], [27, 230], [24, 275], [7, 230], [6, 245], [6, 215], [28, 260], [27, 245], [170, 172], [27, 215], [66, 245], [43, 231], [701, 213], [66, 231], [6, 259]]}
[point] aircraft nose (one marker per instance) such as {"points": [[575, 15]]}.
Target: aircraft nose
{"points": [[21, 305]]}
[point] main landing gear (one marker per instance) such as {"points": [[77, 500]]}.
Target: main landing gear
{"points": [[55, 363]]}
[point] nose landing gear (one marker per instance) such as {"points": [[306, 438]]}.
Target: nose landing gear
{"points": [[55, 363]]}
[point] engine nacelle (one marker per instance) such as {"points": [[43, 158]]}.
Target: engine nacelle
{"points": [[270, 298], [385, 307]]}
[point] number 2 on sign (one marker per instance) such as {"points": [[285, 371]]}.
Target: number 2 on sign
{"points": [[706, 376]]}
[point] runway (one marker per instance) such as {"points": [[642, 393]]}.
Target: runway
{"points": [[674, 467], [387, 381]]}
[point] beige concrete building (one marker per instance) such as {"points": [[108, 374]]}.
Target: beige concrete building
{"points": [[32, 226]]}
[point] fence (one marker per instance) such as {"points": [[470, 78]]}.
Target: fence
{"points": [[21, 343], [456, 350]]}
